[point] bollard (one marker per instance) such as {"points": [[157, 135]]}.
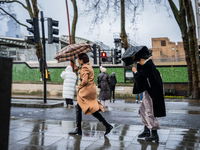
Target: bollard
{"points": [[5, 100]]}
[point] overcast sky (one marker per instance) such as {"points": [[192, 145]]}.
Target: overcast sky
{"points": [[152, 23]]}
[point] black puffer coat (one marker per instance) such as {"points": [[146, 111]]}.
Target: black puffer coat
{"points": [[104, 80]]}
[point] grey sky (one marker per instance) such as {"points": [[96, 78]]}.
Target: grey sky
{"points": [[151, 23]]}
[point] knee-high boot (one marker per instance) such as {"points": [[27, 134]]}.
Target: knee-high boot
{"points": [[103, 121], [78, 129], [154, 136]]}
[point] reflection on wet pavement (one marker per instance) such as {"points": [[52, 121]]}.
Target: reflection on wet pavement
{"points": [[53, 135]]}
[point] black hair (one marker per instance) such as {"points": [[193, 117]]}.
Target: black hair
{"points": [[83, 57]]}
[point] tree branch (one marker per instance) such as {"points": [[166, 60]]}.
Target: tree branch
{"points": [[13, 18], [175, 11], [13, 2], [29, 8]]}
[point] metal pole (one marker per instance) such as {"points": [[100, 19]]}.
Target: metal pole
{"points": [[44, 55], [99, 59]]}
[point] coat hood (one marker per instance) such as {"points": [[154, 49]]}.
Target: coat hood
{"points": [[68, 69]]}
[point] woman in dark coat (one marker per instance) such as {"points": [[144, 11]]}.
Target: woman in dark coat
{"points": [[113, 82], [104, 80], [148, 81]]}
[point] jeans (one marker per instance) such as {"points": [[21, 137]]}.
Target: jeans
{"points": [[140, 96], [112, 91]]}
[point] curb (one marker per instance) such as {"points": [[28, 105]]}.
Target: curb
{"points": [[53, 105]]}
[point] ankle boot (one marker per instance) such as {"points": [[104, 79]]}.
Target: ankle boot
{"points": [[154, 136], [78, 129], [103, 121], [145, 133]]}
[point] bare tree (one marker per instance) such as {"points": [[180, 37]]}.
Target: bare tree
{"points": [[32, 8], [101, 9], [185, 19]]}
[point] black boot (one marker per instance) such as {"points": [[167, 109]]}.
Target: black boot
{"points": [[154, 136], [103, 121], [78, 129], [145, 133]]}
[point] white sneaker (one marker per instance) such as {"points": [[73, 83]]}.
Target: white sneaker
{"points": [[136, 101], [71, 106]]}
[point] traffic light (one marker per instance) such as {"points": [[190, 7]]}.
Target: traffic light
{"points": [[103, 56], [52, 31], [94, 51], [34, 29], [117, 55]]}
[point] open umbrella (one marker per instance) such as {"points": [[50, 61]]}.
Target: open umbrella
{"points": [[71, 52], [129, 55]]}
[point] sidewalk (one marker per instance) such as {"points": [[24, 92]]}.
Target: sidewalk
{"points": [[53, 135]]}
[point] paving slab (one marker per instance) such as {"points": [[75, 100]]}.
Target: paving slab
{"points": [[53, 135]]}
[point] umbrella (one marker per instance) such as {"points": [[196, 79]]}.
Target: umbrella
{"points": [[71, 52], [129, 55]]}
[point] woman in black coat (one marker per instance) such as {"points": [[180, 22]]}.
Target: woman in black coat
{"points": [[148, 81], [113, 82], [104, 80]]}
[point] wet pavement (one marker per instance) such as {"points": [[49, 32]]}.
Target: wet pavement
{"points": [[33, 134], [52, 133]]}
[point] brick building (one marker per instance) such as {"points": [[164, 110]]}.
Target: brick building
{"points": [[164, 50]]}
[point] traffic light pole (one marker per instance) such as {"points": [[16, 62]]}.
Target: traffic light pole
{"points": [[99, 59], [44, 55]]}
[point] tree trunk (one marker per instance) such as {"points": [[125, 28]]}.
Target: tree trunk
{"points": [[73, 31], [38, 46], [193, 47], [180, 17], [123, 34]]}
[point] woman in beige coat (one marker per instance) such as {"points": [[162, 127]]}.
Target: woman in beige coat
{"points": [[87, 96]]}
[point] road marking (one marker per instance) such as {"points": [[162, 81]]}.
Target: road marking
{"points": [[20, 114]]}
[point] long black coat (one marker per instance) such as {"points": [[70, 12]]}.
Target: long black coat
{"points": [[148, 78], [104, 80]]}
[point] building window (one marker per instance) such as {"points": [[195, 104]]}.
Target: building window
{"points": [[160, 53], [173, 56], [163, 43], [172, 48]]}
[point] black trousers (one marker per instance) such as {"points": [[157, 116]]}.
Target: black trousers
{"points": [[97, 115], [69, 101], [112, 91]]}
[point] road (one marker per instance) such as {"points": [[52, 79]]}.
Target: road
{"points": [[179, 114]]}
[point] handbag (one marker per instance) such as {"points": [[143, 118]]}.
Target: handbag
{"points": [[99, 85]]}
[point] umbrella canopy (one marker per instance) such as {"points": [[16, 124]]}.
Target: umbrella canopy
{"points": [[71, 52], [129, 55]]}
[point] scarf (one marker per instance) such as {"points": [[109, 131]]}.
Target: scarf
{"points": [[79, 74]]}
